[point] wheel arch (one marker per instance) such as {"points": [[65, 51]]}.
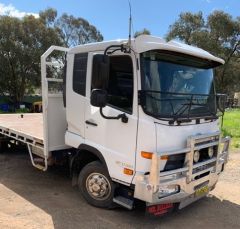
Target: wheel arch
{"points": [[85, 154]]}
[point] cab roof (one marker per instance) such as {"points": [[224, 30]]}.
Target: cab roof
{"points": [[146, 43]]}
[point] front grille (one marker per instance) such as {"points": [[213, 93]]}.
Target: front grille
{"points": [[205, 164], [175, 162], [206, 140], [180, 162], [201, 175]]}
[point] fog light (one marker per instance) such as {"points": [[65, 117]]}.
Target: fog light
{"points": [[167, 190], [210, 152], [196, 156]]}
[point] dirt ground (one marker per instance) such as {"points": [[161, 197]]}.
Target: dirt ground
{"points": [[33, 199]]}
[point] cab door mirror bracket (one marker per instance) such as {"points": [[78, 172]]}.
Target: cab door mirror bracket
{"points": [[99, 99], [122, 116]]}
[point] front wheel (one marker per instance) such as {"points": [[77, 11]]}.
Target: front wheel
{"points": [[96, 185]]}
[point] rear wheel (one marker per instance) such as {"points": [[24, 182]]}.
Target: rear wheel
{"points": [[3, 146], [96, 185]]}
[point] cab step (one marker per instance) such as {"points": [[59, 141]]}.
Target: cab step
{"points": [[124, 202]]}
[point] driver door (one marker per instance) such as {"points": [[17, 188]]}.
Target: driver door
{"points": [[113, 138]]}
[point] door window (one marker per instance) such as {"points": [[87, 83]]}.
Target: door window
{"points": [[120, 86]]}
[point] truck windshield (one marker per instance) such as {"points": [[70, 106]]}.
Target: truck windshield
{"points": [[177, 87]]}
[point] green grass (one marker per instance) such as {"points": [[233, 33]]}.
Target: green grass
{"points": [[231, 126]]}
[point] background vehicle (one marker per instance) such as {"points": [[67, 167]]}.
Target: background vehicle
{"points": [[135, 120], [37, 107]]}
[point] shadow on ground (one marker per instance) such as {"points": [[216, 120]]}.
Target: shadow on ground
{"points": [[52, 192]]}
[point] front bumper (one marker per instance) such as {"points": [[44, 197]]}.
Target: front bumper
{"points": [[180, 185]]}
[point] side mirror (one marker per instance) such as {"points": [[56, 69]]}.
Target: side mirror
{"points": [[100, 71], [98, 98]]}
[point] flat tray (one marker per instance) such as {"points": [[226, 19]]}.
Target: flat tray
{"points": [[30, 125]]}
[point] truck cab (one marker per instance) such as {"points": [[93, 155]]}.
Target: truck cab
{"points": [[142, 122]]}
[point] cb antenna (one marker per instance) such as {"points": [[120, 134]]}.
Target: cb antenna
{"points": [[130, 26]]}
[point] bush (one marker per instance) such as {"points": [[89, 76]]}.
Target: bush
{"points": [[22, 110]]}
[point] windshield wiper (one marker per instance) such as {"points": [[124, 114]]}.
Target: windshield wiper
{"points": [[211, 114], [179, 107]]}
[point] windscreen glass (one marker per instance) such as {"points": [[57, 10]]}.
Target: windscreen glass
{"points": [[176, 87]]}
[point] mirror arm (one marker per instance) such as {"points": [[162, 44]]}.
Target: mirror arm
{"points": [[121, 47], [123, 116]]}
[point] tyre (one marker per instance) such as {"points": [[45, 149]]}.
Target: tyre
{"points": [[3, 146], [96, 185]]}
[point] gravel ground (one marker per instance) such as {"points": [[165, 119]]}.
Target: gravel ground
{"points": [[33, 199]]}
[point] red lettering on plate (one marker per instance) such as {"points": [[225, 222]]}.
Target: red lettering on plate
{"points": [[159, 209]]}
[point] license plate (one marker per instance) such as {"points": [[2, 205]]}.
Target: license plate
{"points": [[159, 209], [202, 191]]}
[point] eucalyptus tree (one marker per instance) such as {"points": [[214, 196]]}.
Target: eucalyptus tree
{"points": [[24, 40], [219, 34], [142, 32]]}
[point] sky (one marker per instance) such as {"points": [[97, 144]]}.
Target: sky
{"points": [[111, 16]]}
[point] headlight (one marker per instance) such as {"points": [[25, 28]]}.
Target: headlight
{"points": [[196, 156], [210, 152]]}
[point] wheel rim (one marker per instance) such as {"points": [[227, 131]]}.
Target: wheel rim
{"points": [[98, 186]]}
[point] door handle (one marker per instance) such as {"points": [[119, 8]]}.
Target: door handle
{"points": [[90, 123]]}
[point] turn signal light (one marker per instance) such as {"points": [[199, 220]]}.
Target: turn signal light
{"points": [[148, 155], [128, 171]]}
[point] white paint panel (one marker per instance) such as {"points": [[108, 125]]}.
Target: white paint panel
{"points": [[56, 122], [73, 140], [175, 137], [115, 140], [146, 141], [75, 103]]}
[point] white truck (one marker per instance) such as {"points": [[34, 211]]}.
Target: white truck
{"points": [[135, 120]]}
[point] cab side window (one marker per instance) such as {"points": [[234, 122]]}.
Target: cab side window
{"points": [[120, 86], [79, 73]]}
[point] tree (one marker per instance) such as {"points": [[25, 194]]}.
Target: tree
{"points": [[71, 30], [185, 27], [142, 32], [48, 16], [22, 42], [220, 35], [75, 31]]}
